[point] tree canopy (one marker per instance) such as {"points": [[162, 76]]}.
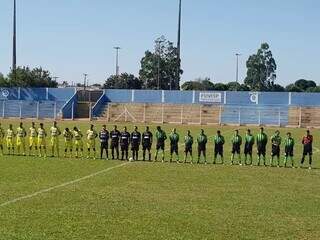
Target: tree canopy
{"points": [[159, 68], [261, 70], [26, 77], [123, 81]]}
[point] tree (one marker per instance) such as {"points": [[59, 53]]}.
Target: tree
{"points": [[277, 88], [314, 89], [220, 87], [25, 77], [123, 81], [261, 69], [159, 68], [3, 81], [293, 88], [198, 84], [305, 84], [234, 86]]}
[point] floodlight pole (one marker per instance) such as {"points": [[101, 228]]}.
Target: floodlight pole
{"points": [[179, 42], [85, 80], [237, 67], [158, 43], [117, 60], [14, 52]]}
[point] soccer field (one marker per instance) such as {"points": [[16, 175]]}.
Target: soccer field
{"points": [[97, 199]]}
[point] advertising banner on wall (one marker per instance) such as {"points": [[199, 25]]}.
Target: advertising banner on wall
{"points": [[4, 93], [210, 97]]}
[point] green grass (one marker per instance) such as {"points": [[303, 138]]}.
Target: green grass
{"points": [[159, 201]]}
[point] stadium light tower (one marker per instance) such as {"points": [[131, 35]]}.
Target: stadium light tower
{"points": [[158, 50], [179, 41], [117, 60], [85, 75], [14, 52], [237, 67]]}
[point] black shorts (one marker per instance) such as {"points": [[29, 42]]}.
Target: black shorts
{"points": [[135, 147], [262, 150], [289, 151], [307, 150], [188, 149], [236, 148], [202, 148], [146, 147], [248, 149], [218, 150], [160, 146], [104, 145], [124, 147], [114, 145], [275, 151], [174, 149]]}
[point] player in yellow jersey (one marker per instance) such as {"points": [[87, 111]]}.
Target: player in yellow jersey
{"points": [[42, 146], [2, 135], [21, 140], [55, 133], [9, 139], [91, 141], [33, 134], [68, 136], [78, 143]]}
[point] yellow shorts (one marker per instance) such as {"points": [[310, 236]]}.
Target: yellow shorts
{"points": [[91, 143], [42, 142], [21, 141], [78, 144], [68, 145], [54, 141], [10, 143], [32, 141]]}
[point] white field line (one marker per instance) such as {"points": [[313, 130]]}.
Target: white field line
{"points": [[62, 185]]}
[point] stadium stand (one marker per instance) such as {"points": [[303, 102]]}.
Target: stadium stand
{"points": [[193, 107], [34, 102], [148, 106]]}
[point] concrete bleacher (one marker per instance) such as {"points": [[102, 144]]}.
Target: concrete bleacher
{"points": [[236, 108]]}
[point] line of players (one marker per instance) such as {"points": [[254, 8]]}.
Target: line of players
{"points": [[121, 141]]}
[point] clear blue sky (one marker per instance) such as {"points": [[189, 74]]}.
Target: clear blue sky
{"points": [[70, 37]]}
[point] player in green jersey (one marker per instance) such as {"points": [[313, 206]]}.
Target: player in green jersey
{"points": [[236, 147], [68, 146], [276, 142], [55, 133], [219, 142], [202, 146], [21, 140], [2, 135], [289, 146], [262, 141], [161, 137], [33, 134], [174, 144], [248, 147], [188, 141]]}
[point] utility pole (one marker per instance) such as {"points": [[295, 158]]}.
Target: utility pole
{"points": [[85, 81], [14, 52], [237, 67], [179, 43], [117, 60], [158, 50]]}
